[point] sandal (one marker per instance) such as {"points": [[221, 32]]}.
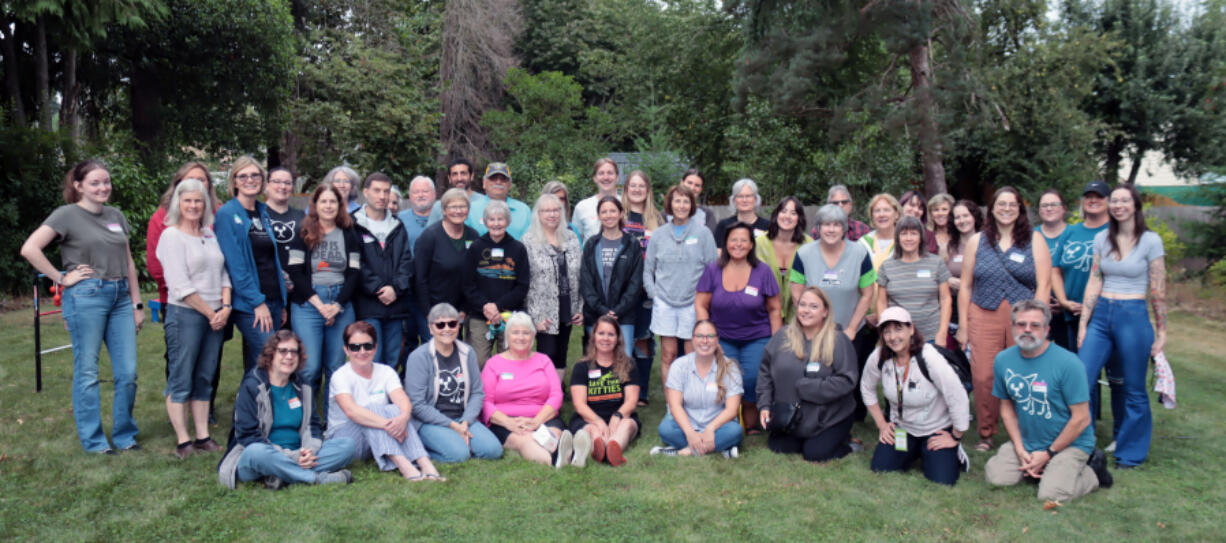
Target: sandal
{"points": [[416, 478], [984, 445], [435, 477]]}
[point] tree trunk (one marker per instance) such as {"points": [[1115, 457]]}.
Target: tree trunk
{"points": [[146, 112], [1111, 162], [12, 86], [928, 132], [42, 77], [69, 113], [1136, 166]]}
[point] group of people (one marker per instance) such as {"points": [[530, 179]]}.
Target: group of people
{"points": [[440, 332]]}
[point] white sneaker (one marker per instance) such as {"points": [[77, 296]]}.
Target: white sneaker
{"points": [[582, 447], [565, 448], [1110, 448], [734, 452], [665, 451]]}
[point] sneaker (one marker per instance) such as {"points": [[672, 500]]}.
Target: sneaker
{"points": [[583, 448], [1098, 463], [342, 477], [566, 445], [614, 453], [734, 452], [1110, 448], [855, 447], [132, 448], [598, 450], [272, 482], [664, 451]]}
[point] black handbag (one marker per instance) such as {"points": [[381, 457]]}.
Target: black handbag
{"points": [[785, 417]]}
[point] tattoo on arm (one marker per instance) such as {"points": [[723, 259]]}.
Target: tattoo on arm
{"points": [[1157, 291]]}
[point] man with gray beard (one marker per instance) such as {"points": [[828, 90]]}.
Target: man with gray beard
{"points": [[1045, 408]]}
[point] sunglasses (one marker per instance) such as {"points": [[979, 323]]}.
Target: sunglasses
{"points": [[355, 347], [447, 324]]}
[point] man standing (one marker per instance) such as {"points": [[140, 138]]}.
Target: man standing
{"points": [[385, 299], [497, 181], [1044, 405], [840, 196], [415, 220], [585, 219], [1070, 266], [459, 176]]}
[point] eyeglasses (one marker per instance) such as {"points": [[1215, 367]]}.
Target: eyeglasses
{"points": [[447, 324], [840, 202], [746, 196], [285, 182], [1117, 201], [1007, 205], [460, 207], [1029, 325], [1051, 205], [283, 351], [705, 336], [554, 211], [498, 179], [355, 347], [245, 177]]}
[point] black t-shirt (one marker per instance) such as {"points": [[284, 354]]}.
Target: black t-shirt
{"points": [[605, 394], [285, 227], [759, 227], [264, 250], [450, 399]]}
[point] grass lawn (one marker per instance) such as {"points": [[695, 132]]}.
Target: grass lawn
{"points": [[51, 491]]}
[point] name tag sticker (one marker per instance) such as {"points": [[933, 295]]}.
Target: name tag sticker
{"points": [[813, 367], [752, 291], [496, 252], [957, 258], [237, 220], [1017, 257], [691, 241], [367, 238], [295, 403], [712, 387], [593, 374], [900, 440], [296, 257], [377, 392], [506, 376], [468, 244], [355, 261], [923, 274], [1040, 387], [114, 227]]}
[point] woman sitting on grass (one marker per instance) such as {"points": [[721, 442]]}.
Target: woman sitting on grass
{"points": [[522, 397], [929, 409], [276, 434], [367, 404], [605, 394], [703, 391]]}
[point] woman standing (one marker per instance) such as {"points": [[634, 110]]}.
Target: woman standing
{"points": [[367, 403], [325, 268], [1128, 262], [611, 279], [1004, 264], [703, 390], [553, 299], [198, 292], [100, 294], [440, 254], [912, 204], [344, 179], [496, 278], [739, 294], [157, 223], [916, 281], [642, 219], [603, 390], [883, 212], [968, 220], [244, 232], [676, 256], [777, 247], [940, 223], [1052, 211], [746, 201], [929, 409], [807, 383]]}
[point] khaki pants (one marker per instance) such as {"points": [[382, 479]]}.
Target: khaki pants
{"points": [[989, 333], [485, 348], [1065, 477]]}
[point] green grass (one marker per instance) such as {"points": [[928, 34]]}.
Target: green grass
{"points": [[51, 491]]}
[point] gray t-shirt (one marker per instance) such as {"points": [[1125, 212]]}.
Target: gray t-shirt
{"points": [[842, 283], [915, 286], [98, 240], [608, 256], [1129, 275], [328, 260]]}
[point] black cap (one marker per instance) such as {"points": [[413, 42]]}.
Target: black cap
{"points": [[1097, 187]]}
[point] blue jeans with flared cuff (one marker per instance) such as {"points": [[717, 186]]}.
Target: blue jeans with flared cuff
{"points": [[99, 311], [1121, 329]]}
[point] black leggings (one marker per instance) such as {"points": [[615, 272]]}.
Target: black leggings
{"points": [[828, 444], [554, 345]]}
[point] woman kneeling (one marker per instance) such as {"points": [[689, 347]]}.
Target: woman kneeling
{"points": [[603, 389]]}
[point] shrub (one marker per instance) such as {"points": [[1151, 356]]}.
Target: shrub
{"points": [[32, 168]]}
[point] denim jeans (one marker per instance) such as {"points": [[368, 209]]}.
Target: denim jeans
{"points": [[747, 353], [192, 347], [444, 445], [261, 460], [726, 437], [1121, 328], [416, 331], [940, 466], [322, 343], [97, 310], [389, 333], [254, 338], [643, 360]]}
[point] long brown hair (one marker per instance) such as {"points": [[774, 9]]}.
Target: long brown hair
{"points": [[621, 362], [1021, 227], [312, 232], [1139, 226], [270, 349], [77, 174]]}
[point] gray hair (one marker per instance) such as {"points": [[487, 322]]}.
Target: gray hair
{"points": [[536, 231], [442, 311], [495, 207], [354, 178], [396, 192], [837, 189], [831, 213], [747, 182], [421, 178], [1030, 304], [553, 187], [191, 184], [519, 319], [453, 195]]}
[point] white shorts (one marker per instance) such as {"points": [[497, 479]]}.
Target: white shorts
{"points": [[672, 321]]}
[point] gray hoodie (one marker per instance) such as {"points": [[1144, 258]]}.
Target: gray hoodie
{"points": [[421, 384], [675, 262]]}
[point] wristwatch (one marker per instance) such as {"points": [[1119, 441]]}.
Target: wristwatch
{"points": [[1049, 452]]}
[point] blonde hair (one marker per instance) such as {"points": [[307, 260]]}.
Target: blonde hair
{"points": [[821, 347], [652, 219], [888, 198], [941, 198], [723, 364], [240, 163]]}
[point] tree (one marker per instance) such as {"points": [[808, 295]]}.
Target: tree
{"points": [[478, 41]]}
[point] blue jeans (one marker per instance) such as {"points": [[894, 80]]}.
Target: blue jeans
{"points": [[1121, 328], [627, 340], [747, 353], [388, 335], [261, 460], [97, 310], [416, 331], [726, 437], [254, 338], [643, 360], [940, 466], [444, 445], [192, 347], [322, 343]]}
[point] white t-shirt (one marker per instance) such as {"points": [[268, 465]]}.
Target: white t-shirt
{"points": [[366, 392]]}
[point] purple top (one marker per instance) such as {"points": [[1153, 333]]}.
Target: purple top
{"points": [[740, 315]]}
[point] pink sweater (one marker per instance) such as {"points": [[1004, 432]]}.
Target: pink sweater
{"points": [[519, 388]]}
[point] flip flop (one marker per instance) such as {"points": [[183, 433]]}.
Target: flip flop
{"points": [[416, 478], [435, 477], [983, 445]]}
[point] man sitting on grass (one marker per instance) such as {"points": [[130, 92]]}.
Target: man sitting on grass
{"points": [[1045, 408]]}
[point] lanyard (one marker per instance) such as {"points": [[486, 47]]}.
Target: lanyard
{"points": [[898, 385]]}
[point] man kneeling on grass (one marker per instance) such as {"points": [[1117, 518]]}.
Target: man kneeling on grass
{"points": [[1045, 408]]}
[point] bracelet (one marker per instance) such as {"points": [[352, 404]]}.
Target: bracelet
{"points": [[226, 306]]}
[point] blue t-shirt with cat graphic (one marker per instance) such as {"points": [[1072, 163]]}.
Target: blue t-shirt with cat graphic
{"points": [[1042, 389]]}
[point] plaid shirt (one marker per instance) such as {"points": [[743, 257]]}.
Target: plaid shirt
{"points": [[855, 229]]}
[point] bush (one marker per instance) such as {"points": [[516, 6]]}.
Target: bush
{"points": [[32, 169], [1176, 250], [1216, 274]]}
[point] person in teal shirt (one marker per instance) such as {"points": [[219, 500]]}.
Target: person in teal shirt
{"points": [[497, 182]]}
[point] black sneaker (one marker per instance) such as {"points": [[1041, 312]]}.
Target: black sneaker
{"points": [[273, 483], [1098, 463]]}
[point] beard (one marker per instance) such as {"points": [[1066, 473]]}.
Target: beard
{"points": [[1027, 341]]}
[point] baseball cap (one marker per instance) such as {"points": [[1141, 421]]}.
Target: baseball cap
{"points": [[497, 168], [894, 314], [1097, 187]]}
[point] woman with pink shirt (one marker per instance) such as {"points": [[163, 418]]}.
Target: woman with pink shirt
{"points": [[523, 395]]}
